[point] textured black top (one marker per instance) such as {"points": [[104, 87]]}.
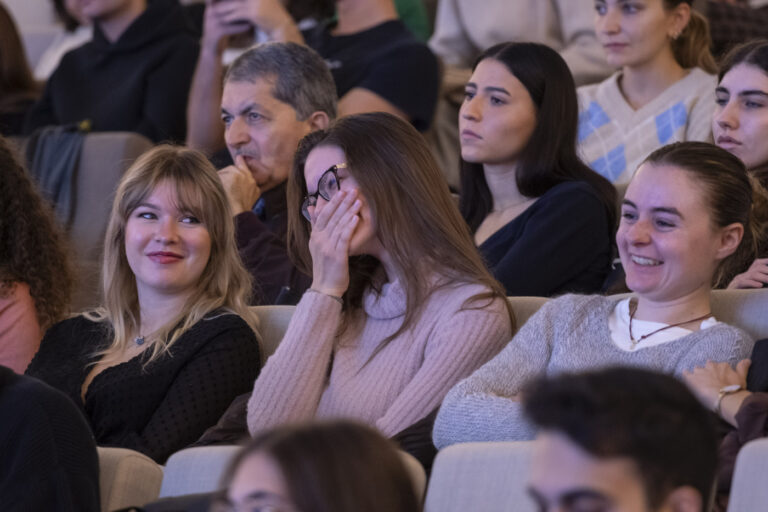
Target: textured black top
{"points": [[48, 457], [165, 406], [562, 243]]}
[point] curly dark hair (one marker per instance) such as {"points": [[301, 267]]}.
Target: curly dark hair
{"points": [[32, 249]]}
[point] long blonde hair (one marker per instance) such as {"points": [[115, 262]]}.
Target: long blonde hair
{"points": [[224, 283]]}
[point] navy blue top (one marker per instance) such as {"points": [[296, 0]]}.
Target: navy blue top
{"points": [[562, 243]]}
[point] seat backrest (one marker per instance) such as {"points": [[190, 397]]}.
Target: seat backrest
{"points": [[196, 470], [745, 309], [273, 322], [103, 161], [491, 477], [749, 490], [127, 478]]}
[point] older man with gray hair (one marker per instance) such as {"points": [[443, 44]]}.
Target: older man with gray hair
{"points": [[274, 94]]}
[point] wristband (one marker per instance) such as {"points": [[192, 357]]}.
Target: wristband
{"points": [[337, 299]]}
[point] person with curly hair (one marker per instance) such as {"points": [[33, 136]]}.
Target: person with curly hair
{"points": [[35, 273]]}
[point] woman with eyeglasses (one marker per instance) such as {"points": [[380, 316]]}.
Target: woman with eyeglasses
{"points": [[401, 306]]}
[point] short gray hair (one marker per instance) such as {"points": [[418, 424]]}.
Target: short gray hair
{"points": [[302, 79]]}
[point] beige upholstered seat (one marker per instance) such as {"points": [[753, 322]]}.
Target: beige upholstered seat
{"points": [[491, 477], [127, 478], [749, 491]]}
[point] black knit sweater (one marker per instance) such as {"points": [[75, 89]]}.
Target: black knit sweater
{"points": [[166, 405]]}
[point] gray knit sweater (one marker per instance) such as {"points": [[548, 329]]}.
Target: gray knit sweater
{"points": [[567, 334]]}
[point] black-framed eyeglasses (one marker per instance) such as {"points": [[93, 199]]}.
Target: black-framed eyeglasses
{"points": [[327, 186]]}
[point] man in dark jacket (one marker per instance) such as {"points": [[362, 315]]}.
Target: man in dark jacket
{"points": [[133, 76], [274, 94]]}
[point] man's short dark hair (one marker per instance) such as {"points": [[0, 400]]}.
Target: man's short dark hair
{"points": [[650, 418], [302, 79]]}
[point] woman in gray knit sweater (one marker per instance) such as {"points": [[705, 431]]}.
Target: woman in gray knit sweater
{"points": [[685, 220]]}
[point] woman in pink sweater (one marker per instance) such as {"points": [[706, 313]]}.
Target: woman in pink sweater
{"points": [[401, 306], [35, 275]]}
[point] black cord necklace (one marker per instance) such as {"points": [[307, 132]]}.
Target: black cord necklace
{"points": [[633, 309]]}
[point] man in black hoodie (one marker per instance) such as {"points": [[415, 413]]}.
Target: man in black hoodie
{"points": [[133, 76]]}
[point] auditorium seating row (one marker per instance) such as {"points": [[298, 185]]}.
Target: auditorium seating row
{"points": [[474, 476]]}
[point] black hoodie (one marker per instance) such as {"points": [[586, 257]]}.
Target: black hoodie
{"points": [[139, 83]]}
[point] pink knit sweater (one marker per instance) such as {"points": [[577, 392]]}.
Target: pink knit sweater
{"points": [[400, 385]]}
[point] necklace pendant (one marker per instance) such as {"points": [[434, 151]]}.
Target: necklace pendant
{"points": [[139, 340]]}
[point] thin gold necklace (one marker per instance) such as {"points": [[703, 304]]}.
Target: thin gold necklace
{"points": [[633, 309]]}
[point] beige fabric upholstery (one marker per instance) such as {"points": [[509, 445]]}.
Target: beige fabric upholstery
{"points": [[196, 470], [273, 321], [127, 478], [749, 491], [490, 477]]}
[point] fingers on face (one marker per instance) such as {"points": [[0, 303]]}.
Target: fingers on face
{"points": [[332, 212]]}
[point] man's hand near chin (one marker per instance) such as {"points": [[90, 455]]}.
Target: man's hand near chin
{"points": [[242, 190]]}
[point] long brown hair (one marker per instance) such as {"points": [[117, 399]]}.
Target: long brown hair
{"points": [[337, 466], [731, 194], [417, 220], [32, 248], [16, 81], [692, 47], [224, 284]]}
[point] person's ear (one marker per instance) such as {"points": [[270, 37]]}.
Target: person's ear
{"points": [[730, 238], [679, 18], [683, 499], [318, 120]]}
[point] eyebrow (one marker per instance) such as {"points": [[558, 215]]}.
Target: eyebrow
{"points": [[248, 108], [260, 495], [570, 497], [658, 209], [147, 205], [575, 495], [489, 89], [749, 92]]}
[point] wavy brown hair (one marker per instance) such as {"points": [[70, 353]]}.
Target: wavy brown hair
{"points": [[32, 249], [417, 220], [224, 283]]}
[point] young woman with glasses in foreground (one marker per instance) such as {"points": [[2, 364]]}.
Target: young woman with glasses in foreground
{"points": [[401, 306]]}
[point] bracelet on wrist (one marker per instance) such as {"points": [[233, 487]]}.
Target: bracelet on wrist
{"points": [[334, 297]]}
